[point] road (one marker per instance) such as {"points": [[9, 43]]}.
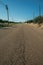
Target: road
{"points": [[21, 44]]}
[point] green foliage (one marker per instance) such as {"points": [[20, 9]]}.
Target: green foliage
{"points": [[29, 21], [38, 20], [5, 23]]}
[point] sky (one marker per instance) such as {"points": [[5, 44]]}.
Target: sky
{"points": [[20, 10]]}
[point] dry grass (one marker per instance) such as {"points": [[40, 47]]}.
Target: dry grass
{"points": [[36, 25]]}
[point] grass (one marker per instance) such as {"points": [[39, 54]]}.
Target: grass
{"points": [[3, 25]]}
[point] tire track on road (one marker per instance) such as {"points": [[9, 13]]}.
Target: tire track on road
{"points": [[21, 49]]}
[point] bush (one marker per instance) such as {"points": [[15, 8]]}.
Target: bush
{"points": [[38, 20]]}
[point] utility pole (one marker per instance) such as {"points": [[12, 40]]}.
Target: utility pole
{"points": [[39, 10], [33, 17], [7, 13], [39, 14], [6, 7]]}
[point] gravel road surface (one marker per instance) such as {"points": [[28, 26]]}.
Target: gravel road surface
{"points": [[21, 44]]}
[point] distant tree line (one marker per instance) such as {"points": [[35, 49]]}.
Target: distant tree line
{"points": [[5, 21], [38, 20]]}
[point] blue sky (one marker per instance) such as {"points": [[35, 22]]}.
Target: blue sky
{"points": [[21, 10]]}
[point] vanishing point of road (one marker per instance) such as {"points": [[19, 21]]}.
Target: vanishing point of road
{"points": [[21, 44]]}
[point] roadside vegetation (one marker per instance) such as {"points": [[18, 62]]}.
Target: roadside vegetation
{"points": [[5, 23], [37, 20]]}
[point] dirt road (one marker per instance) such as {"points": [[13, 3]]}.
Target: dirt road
{"points": [[21, 45]]}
